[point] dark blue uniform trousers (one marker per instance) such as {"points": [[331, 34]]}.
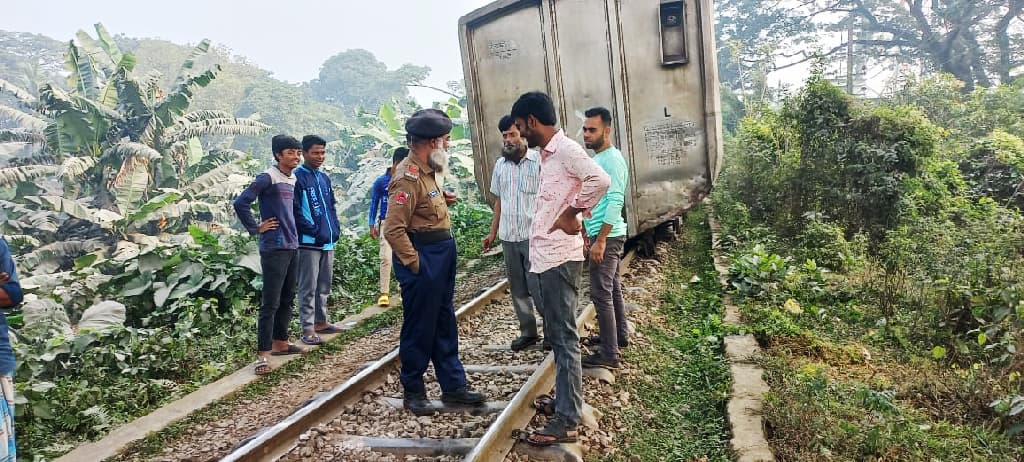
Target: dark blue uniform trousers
{"points": [[429, 331]]}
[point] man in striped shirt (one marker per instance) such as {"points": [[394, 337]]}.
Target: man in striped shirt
{"points": [[514, 182]]}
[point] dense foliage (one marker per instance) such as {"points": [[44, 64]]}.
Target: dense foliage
{"points": [[891, 227], [116, 200]]}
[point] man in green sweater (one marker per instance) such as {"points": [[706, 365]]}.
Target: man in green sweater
{"points": [[606, 230]]}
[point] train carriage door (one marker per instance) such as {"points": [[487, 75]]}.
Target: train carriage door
{"points": [[510, 58], [664, 93], [586, 68]]}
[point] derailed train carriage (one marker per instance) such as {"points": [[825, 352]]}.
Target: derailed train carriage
{"points": [[650, 62]]}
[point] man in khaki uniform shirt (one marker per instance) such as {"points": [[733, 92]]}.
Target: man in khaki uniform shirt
{"points": [[418, 228]]}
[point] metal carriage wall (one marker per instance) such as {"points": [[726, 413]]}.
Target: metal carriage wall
{"points": [[650, 62]]}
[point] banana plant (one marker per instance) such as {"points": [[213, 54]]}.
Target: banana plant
{"points": [[139, 139]]}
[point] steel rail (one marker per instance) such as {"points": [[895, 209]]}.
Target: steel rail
{"points": [[497, 442], [274, 442]]}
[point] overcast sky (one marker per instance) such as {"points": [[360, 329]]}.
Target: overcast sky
{"points": [[290, 38]]}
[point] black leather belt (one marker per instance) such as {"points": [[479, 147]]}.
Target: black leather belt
{"points": [[430, 237]]}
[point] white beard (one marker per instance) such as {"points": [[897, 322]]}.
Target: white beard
{"points": [[438, 160]]}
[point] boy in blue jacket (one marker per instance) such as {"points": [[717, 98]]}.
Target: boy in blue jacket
{"points": [[317, 221], [275, 190]]}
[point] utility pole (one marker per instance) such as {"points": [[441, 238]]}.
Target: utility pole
{"points": [[849, 56]]}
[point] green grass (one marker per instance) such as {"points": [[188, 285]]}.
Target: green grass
{"points": [[815, 416], [678, 412]]}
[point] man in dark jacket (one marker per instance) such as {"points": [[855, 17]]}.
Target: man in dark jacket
{"points": [[317, 222]]}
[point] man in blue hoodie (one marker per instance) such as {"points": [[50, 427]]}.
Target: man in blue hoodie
{"points": [[275, 190], [317, 221], [10, 297], [378, 211]]}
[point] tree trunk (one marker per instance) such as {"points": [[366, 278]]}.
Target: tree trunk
{"points": [[975, 52], [1003, 40]]}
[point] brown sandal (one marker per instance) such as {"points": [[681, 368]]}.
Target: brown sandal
{"points": [[554, 433]]}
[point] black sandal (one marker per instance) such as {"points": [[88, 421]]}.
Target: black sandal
{"points": [[592, 340], [545, 404]]}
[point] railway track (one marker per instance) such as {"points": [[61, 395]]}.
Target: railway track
{"points": [[363, 418]]}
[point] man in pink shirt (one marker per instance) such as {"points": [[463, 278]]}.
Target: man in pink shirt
{"points": [[570, 184]]}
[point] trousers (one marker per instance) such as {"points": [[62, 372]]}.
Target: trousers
{"points": [[429, 331], [278, 296]]}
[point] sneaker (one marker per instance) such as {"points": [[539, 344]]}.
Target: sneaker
{"points": [[384, 300], [463, 395], [417, 404], [522, 342], [596, 360]]}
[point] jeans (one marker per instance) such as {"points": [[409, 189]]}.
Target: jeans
{"points": [[316, 267], [522, 284], [559, 297], [278, 297], [6, 353], [606, 293]]}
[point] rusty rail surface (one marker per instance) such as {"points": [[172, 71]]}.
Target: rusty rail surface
{"points": [[276, 441], [498, 441]]}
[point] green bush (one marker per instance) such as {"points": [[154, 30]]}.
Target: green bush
{"points": [[994, 167], [825, 243], [78, 386], [762, 275]]}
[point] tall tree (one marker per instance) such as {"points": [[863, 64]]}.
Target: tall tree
{"points": [[751, 36], [286, 108], [960, 37], [356, 78]]}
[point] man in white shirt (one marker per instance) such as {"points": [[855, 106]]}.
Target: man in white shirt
{"points": [[514, 181]]}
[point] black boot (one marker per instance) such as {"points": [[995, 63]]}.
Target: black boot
{"points": [[463, 395], [417, 404]]}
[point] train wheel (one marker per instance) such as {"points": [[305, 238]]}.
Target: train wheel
{"points": [[646, 245]]}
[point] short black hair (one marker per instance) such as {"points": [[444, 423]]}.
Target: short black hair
{"points": [[536, 104], [281, 142], [606, 115], [505, 123], [309, 141], [399, 155]]}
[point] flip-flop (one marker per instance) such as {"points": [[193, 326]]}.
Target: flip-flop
{"points": [[292, 350], [330, 329], [262, 367], [311, 339], [552, 434]]}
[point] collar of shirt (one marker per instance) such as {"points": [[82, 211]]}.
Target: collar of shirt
{"points": [[424, 168], [553, 145], [531, 155], [609, 148], [290, 175]]}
